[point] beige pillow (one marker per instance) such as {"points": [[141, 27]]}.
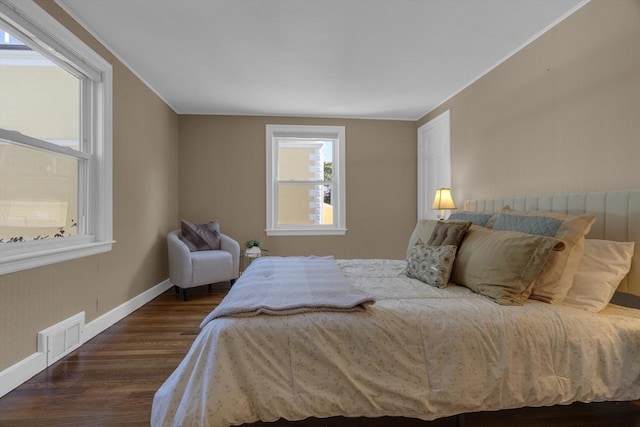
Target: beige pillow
{"points": [[603, 266], [424, 230], [556, 278], [501, 265]]}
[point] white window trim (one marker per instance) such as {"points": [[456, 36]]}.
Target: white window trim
{"points": [[97, 238], [302, 131]]}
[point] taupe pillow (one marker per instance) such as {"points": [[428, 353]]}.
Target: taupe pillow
{"points": [[448, 233], [200, 237], [556, 278], [501, 265], [431, 264], [423, 230]]}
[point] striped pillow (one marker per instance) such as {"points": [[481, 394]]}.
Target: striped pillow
{"points": [[200, 237]]}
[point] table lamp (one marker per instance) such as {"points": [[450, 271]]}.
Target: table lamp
{"points": [[443, 201]]}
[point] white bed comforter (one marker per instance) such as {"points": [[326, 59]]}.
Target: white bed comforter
{"points": [[417, 352]]}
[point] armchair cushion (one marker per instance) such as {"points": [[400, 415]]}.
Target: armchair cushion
{"points": [[211, 267], [200, 237]]}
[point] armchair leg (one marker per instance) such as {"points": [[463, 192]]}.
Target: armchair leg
{"points": [[232, 282], [210, 287], [185, 295], [177, 289]]}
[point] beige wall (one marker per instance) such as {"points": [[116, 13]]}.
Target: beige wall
{"points": [[223, 170], [145, 181], [561, 115]]}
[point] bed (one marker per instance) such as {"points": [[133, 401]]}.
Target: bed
{"points": [[418, 351]]}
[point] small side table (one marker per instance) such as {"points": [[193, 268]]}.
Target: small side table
{"points": [[247, 259]]}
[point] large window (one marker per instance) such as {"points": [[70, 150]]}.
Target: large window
{"points": [[305, 180], [55, 142]]}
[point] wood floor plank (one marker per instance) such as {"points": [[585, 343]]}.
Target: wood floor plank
{"points": [[111, 380]]}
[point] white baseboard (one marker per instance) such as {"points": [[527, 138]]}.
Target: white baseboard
{"points": [[16, 374], [20, 372], [101, 323]]}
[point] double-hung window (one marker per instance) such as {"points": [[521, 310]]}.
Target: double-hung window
{"points": [[305, 180], [55, 142]]}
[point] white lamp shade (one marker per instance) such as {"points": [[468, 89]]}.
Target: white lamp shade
{"points": [[443, 199]]}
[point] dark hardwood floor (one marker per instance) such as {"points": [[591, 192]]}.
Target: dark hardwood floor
{"points": [[111, 380]]}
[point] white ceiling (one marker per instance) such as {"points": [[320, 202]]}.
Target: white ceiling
{"points": [[393, 59]]}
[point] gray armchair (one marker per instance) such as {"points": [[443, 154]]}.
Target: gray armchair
{"points": [[190, 269]]}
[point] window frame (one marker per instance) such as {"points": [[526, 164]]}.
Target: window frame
{"points": [[335, 133], [95, 200]]}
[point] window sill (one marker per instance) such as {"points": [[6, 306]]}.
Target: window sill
{"points": [[306, 232], [24, 260]]}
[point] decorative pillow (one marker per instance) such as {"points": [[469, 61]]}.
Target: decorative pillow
{"points": [[557, 276], [424, 229], [501, 265], [602, 267], [477, 218], [431, 264], [448, 233], [200, 237]]}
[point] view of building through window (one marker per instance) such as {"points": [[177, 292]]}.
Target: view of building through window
{"points": [[305, 181], [40, 102]]}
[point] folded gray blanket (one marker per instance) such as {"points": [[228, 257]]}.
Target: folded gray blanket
{"points": [[289, 285]]}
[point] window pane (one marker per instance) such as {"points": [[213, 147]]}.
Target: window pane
{"points": [[37, 97], [8, 39], [38, 193], [303, 204], [304, 160]]}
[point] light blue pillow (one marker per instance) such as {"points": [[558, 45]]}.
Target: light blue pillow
{"points": [[538, 225], [476, 218]]}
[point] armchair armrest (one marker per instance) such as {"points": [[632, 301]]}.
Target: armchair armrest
{"points": [[180, 268], [233, 247]]}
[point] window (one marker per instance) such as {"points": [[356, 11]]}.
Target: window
{"points": [[55, 142], [305, 180]]}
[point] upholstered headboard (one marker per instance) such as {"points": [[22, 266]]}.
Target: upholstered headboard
{"points": [[618, 218]]}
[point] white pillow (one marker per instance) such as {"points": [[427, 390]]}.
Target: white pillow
{"points": [[602, 267]]}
